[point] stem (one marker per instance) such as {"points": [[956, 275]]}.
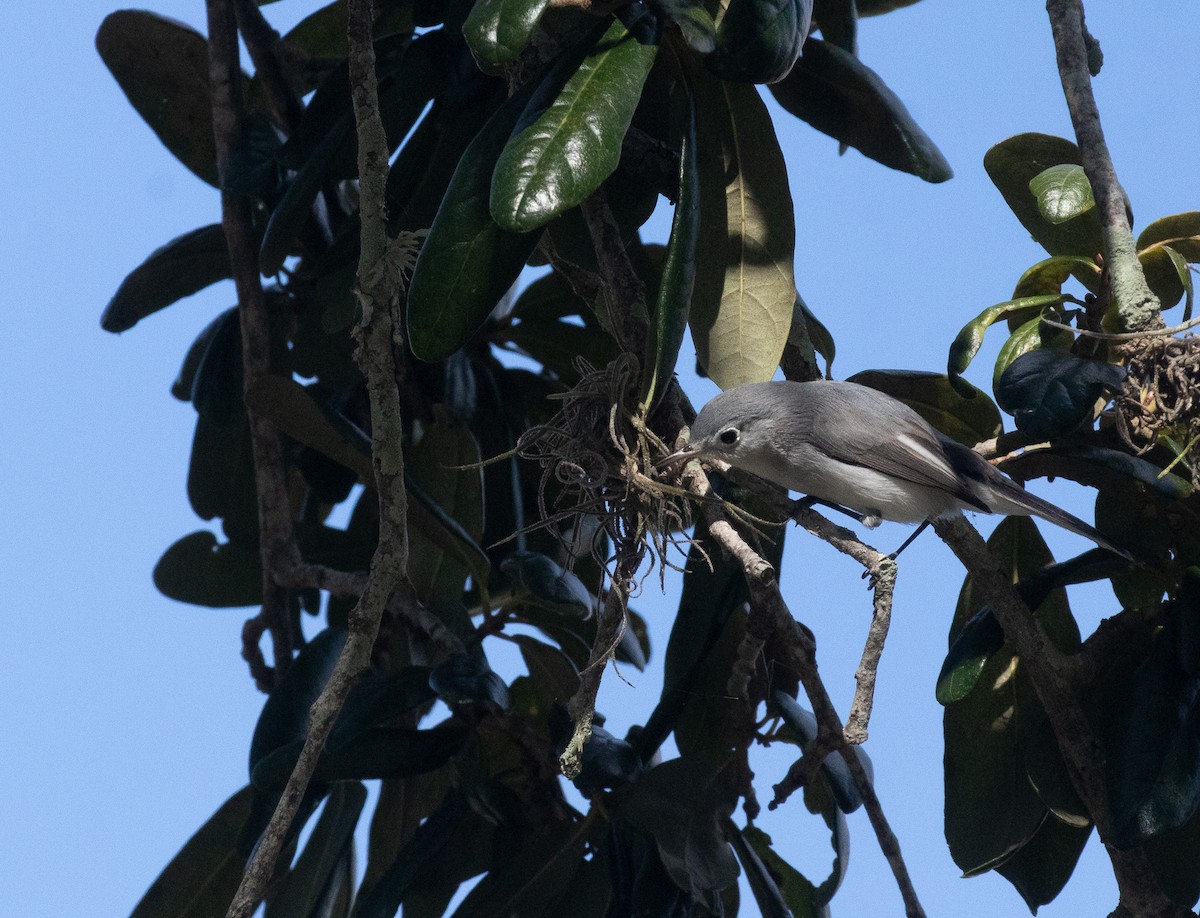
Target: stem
{"points": [[377, 291], [1137, 307]]}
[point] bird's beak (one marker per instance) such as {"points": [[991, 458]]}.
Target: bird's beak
{"points": [[679, 456]]}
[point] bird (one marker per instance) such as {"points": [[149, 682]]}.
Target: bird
{"points": [[859, 449]]}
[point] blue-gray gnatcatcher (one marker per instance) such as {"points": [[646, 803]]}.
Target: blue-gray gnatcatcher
{"points": [[853, 446]]}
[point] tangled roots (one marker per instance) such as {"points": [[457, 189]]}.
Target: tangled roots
{"points": [[1161, 399]]}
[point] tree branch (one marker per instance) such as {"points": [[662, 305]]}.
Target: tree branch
{"points": [[1137, 307], [1056, 679], [277, 545], [377, 293]]}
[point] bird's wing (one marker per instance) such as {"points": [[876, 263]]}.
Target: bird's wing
{"points": [[898, 442]]}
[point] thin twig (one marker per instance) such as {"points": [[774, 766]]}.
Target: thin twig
{"points": [[376, 359], [277, 545], [1137, 306], [1122, 336], [799, 655]]}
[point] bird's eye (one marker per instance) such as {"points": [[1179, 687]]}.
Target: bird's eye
{"points": [[729, 436]]}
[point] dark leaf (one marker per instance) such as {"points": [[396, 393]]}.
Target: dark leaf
{"points": [[758, 41], [467, 678], [185, 265], [679, 268], [198, 570], [744, 293], [568, 141], [467, 262], [217, 386], [220, 479], [182, 387], [1041, 868], [694, 21], [295, 207], [529, 880], [606, 761], [497, 31], [557, 345], [550, 668], [844, 98], [1098, 466], [969, 419], [1013, 163], [162, 67], [1062, 192], [201, 879], [1051, 393], [834, 767], [1173, 857], [1166, 533], [387, 752], [879, 7], [838, 22], [682, 804], [315, 875], [1029, 337], [1154, 746], [766, 884], [969, 652], [549, 584]]}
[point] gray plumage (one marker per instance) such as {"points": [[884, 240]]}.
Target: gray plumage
{"points": [[857, 447]]}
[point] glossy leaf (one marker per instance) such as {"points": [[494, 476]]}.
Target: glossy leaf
{"points": [[568, 141], [1051, 393], [185, 265], [497, 31], [1013, 163], [969, 420], [967, 342], [838, 22], [758, 41], [682, 804], [549, 585], [1062, 192], [467, 262], [842, 97], [670, 315], [529, 880], [1179, 231], [309, 885], [1168, 275], [294, 410], [198, 570], [694, 21], [970, 651], [201, 879], [744, 294], [466, 677], [162, 67], [1154, 746], [1028, 337]]}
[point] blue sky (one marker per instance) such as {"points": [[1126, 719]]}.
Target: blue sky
{"points": [[126, 717]]}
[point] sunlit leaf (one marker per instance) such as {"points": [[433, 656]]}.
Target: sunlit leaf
{"points": [[1062, 193], [758, 41]]}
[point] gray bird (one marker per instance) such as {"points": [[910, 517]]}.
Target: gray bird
{"points": [[855, 447]]}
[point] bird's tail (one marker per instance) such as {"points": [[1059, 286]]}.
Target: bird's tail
{"points": [[1011, 499]]}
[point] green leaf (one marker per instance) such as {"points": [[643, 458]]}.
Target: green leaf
{"points": [[530, 879], [1013, 163], [1154, 746], [162, 67], [1028, 337], [1168, 276], [780, 891], [670, 315], [842, 97], [969, 652], [201, 879], [969, 419], [758, 41], [967, 342], [694, 21], [1062, 192], [467, 262], [309, 885], [497, 31], [682, 805], [549, 585], [1179, 231], [1041, 868], [197, 570], [568, 141], [1051, 393], [185, 265], [744, 292], [1048, 276]]}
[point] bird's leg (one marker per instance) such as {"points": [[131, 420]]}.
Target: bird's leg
{"points": [[870, 518], [909, 540]]}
